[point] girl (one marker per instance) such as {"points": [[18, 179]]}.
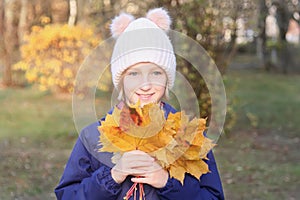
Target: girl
{"points": [[143, 67]]}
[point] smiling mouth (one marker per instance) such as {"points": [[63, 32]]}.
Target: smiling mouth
{"points": [[145, 96]]}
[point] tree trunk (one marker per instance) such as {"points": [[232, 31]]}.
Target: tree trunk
{"points": [[59, 11], [23, 22], [10, 40], [2, 46], [73, 12], [283, 18], [2, 4], [262, 39]]}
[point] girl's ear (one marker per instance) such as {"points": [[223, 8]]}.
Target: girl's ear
{"points": [[120, 23], [160, 17]]}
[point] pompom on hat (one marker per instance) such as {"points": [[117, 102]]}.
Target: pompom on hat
{"points": [[142, 40]]}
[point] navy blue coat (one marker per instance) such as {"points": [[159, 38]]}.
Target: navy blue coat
{"points": [[87, 176]]}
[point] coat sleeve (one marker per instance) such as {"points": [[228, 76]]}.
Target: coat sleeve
{"points": [[209, 186], [85, 178]]}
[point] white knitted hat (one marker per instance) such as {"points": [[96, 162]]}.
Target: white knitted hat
{"points": [[142, 40]]}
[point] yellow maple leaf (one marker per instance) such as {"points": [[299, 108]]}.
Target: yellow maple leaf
{"points": [[206, 147], [177, 171], [146, 138], [196, 167]]}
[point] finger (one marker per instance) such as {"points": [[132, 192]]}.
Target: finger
{"points": [[137, 157], [141, 164], [134, 172], [139, 152], [138, 167], [132, 157], [150, 167], [140, 179]]}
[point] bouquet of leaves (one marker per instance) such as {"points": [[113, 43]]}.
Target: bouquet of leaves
{"points": [[177, 143]]}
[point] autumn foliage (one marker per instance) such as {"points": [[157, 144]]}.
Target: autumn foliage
{"points": [[52, 55], [177, 143]]}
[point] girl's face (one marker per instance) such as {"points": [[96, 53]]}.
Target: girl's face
{"points": [[145, 82]]}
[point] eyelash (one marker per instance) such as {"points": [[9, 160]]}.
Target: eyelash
{"points": [[156, 73], [132, 73]]}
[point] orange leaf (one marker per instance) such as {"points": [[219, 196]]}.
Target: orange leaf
{"points": [[196, 167], [177, 171]]}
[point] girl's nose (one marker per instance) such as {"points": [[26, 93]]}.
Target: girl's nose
{"points": [[146, 83], [145, 86]]}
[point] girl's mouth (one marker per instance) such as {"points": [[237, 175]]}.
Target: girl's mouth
{"points": [[145, 96]]}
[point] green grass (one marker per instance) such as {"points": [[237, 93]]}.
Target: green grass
{"points": [[258, 159], [28, 112], [36, 135], [265, 101], [254, 166]]}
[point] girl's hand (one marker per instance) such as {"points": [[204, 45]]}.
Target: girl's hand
{"points": [[133, 163], [157, 177]]}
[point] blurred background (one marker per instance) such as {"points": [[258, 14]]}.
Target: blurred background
{"points": [[254, 43]]}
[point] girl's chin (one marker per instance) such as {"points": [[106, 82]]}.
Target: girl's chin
{"points": [[144, 102]]}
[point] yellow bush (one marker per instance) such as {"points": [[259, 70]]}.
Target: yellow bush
{"points": [[52, 55]]}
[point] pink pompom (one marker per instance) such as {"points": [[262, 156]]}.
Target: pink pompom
{"points": [[160, 17], [120, 23]]}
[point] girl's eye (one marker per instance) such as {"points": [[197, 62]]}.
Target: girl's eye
{"points": [[157, 73], [132, 73]]}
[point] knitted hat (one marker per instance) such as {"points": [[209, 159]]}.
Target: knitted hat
{"points": [[142, 40]]}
